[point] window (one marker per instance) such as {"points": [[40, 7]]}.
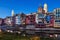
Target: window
{"points": [[40, 22], [57, 21], [40, 15], [48, 18]]}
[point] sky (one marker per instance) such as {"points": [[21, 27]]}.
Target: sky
{"points": [[25, 6]]}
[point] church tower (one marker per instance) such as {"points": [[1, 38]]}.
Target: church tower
{"points": [[12, 12], [45, 8], [40, 8]]}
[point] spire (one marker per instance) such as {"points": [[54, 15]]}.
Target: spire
{"points": [[45, 8], [40, 8], [12, 12]]}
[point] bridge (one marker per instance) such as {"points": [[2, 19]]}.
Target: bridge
{"points": [[45, 30]]}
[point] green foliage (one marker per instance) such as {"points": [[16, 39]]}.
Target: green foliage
{"points": [[9, 36]]}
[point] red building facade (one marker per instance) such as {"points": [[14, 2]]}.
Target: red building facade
{"points": [[52, 21], [30, 19]]}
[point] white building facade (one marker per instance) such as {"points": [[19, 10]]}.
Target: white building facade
{"points": [[57, 17]]}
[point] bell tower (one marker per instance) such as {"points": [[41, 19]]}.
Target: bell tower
{"points": [[12, 12], [45, 8], [40, 8]]}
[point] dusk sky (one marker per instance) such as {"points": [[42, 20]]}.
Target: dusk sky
{"points": [[26, 6]]}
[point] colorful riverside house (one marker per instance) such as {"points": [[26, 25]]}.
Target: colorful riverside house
{"points": [[9, 21], [49, 20], [23, 17], [1, 21], [30, 19], [13, 20], [17, 19], [30, 22], [57, 17], [52, 20]]}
